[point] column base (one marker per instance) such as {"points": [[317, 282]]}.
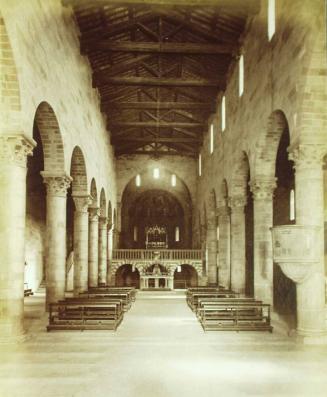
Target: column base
{"points": [[311, 338]]}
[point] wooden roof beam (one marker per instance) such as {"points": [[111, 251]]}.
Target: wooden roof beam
{"points": [[153, 124], [160, 47], [107, 106], [152, 81], [149, 140]]}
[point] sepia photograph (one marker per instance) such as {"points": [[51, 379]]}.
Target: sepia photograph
{"points": [[163, 198]]}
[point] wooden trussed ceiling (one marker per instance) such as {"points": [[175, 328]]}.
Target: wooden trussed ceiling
{"points": [[159, 66]]}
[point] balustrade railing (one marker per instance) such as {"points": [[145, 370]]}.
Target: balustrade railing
{"points": [[151, 255]]}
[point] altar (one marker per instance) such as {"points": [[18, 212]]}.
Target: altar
{"points": [[156, 279]]}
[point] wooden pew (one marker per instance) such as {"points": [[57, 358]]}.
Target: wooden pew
{"points": [[89, 315], [131, 290], [124, 297], [226, 316], [192, 299], [27, 291], [212, 302]]}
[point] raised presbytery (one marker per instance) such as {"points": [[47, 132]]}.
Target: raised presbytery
{"points": [[163, 212]]}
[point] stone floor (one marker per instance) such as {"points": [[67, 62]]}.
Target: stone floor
{"points": [[159, 350]]}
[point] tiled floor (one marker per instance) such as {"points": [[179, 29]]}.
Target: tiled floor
{"points": [[159, 350]]}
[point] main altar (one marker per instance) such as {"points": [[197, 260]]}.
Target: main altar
{"points": [[156, 277]]}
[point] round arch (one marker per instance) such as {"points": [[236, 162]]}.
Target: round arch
{"points": [[78, 173], [110, 220], [127, 276], [94, 193], [185, 276], [46, 121], [103, 204]]}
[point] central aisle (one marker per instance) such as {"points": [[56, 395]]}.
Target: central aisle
{"points": [[159, 350]]}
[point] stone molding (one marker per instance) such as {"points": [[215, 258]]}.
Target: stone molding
{"points": [[82, 203], [57, 185], [94, 213], [263, 188], [15, 148], [237, 203], [307, 156]]}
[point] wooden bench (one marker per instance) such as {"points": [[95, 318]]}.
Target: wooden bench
{"points": [[90, 315], [205, 302], [124, 297], [254, 316], [27, 291], [131, 290], [192, 299]]}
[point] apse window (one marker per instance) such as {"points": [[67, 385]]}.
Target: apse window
{"points": [[173, 180], [135, 233], [241, 76], [138, 180], [200, 164], [292, 205], [271, 18], [177, 237], [223, 113], [211, 137], [156, 173], [217, 233]]}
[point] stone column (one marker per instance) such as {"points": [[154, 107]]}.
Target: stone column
{"points": [[237, 204], [263, 189], [102, 250], [224, 246], [57, 186], [309, 200], [81, 242], [212, 247], [14, 150], [93, 246], [109, 252]]}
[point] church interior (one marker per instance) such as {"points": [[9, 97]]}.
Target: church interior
{"points": [[163, 174]]}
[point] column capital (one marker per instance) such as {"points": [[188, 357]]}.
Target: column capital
{"points": [[94, 213], [237, 202], [223, 210], [103, 221], [57, 185], [14, 149], [307, 155], [82, 203], [263, 188]]}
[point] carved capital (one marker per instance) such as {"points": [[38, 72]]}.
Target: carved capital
{"points": [[82, 203], [237, 203], [223, 211], [307, 156], [14, 149], [103, 222], [94, 213], [263, 188], [57, 185]]}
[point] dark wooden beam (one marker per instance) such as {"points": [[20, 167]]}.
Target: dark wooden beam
{"points": [[156, 153], [250, 5], [147, 139], [121, 66], [107, 106], [153, 124], [153, 81], [169, 48]]}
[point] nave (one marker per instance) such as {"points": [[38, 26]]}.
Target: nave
{"points": [[159, 350]]}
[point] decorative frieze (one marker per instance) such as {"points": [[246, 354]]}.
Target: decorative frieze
{"points": [[57, 185], [14, 149]]}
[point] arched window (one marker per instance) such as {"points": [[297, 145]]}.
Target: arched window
{"points": [[200, 164], [135, 233], [241, 76], [271, 18], [211, 137], [173, 180], [138, 180], [177, 236], [292, 205], [223, 113], [156, 173]]}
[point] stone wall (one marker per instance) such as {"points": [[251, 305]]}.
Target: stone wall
{"points": [[288, 74], [43, 42]]}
